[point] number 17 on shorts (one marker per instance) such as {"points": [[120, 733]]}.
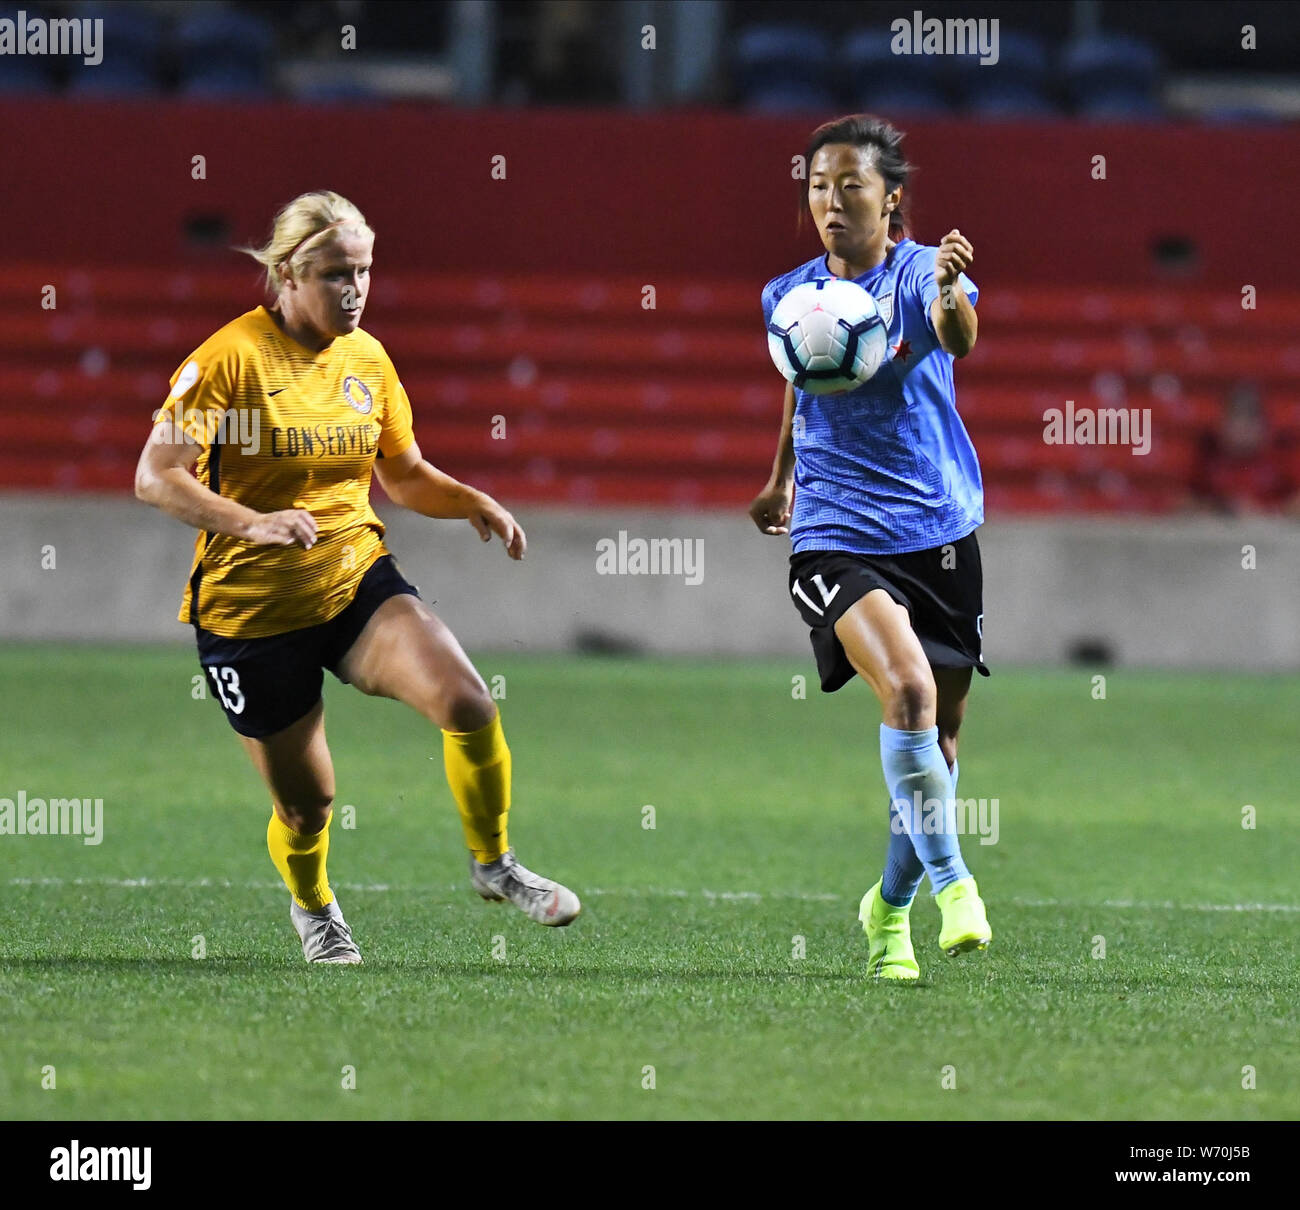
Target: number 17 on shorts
{"points": [[827, 595]]}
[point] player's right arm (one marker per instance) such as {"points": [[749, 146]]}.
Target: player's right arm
{"points": [[163, 479], [771, 507]]}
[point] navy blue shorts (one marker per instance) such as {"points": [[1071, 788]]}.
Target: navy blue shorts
{"points": [[266, 684], [942, 590]]}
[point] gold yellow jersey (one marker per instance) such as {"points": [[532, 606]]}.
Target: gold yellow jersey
{"points": [[282, 427]]}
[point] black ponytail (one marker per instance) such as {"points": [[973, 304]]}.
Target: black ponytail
{"points": [[864, 130]]}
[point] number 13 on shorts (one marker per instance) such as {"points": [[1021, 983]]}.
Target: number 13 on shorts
{"points": [[232, 698]]}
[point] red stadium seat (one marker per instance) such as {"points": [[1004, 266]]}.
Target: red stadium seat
{"points": [[609, 400]]}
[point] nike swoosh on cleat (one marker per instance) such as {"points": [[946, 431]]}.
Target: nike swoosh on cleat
{"points": [[276, 392]]}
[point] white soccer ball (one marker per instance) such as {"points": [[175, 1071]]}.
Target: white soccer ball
{"points": [[827, 336]]}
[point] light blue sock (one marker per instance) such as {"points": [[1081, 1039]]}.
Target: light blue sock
{"points": [[914, 764], [903, 868]]}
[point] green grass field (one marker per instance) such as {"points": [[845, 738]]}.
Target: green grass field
{"points": [[1119, 819]]}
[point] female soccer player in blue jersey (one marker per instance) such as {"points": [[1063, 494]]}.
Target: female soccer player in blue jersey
{"points": [[880, 491]]}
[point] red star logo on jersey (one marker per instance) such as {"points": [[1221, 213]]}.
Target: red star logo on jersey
{"points": [[903, 350]]}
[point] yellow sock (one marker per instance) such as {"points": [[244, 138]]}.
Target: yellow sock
{"points": [[301, 862], [478, 772]]}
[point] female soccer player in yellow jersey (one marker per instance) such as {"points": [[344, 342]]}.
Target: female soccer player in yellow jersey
{"points": [[282, 414]]}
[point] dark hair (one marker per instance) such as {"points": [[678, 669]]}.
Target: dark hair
{"points": [[864, 130]]}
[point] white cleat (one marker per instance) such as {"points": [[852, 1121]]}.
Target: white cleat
{"points": [[539, 898], [325, 934]]}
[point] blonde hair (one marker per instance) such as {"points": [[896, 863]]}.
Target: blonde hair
{"points": [[295, 232]]}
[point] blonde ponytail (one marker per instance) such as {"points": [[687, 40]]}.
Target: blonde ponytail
{"points": [[296, 230]]}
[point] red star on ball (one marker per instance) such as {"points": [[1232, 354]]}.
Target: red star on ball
{"points": [[903, 350]]}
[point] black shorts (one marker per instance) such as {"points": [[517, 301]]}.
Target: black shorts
{"points": [[942, 590], [266, 684]]}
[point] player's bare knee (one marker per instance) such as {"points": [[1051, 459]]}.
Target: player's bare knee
{"points": [[365, 684], [471, 708], [308, 814], [912, 699]]}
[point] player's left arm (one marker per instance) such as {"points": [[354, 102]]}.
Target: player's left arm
{"points": [[420, 486], [955, 322]]}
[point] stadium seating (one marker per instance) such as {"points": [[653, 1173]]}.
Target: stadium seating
{"points": [[1019, 84], [877, 80], [133, 53], [605, 402], [24, 74], [788, 68], [772, 62], [789, 97], [224, 53], [1112, 76]]}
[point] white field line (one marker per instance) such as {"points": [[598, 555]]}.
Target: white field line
{"points": [[645, 893]]}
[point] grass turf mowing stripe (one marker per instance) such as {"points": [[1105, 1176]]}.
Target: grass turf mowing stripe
{"points": [[1120, 820], [665, 892]]}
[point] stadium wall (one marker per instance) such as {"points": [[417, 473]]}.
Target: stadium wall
{"points": [[671, 193], [1167, 593]]}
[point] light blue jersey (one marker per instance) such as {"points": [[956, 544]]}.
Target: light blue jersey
{"points": [[886, 468]]}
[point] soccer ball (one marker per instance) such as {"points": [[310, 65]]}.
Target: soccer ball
{"points": [[827, 336]]}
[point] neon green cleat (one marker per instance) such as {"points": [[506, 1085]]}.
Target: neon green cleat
{"points": [[889, 934], [965, 926]]}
